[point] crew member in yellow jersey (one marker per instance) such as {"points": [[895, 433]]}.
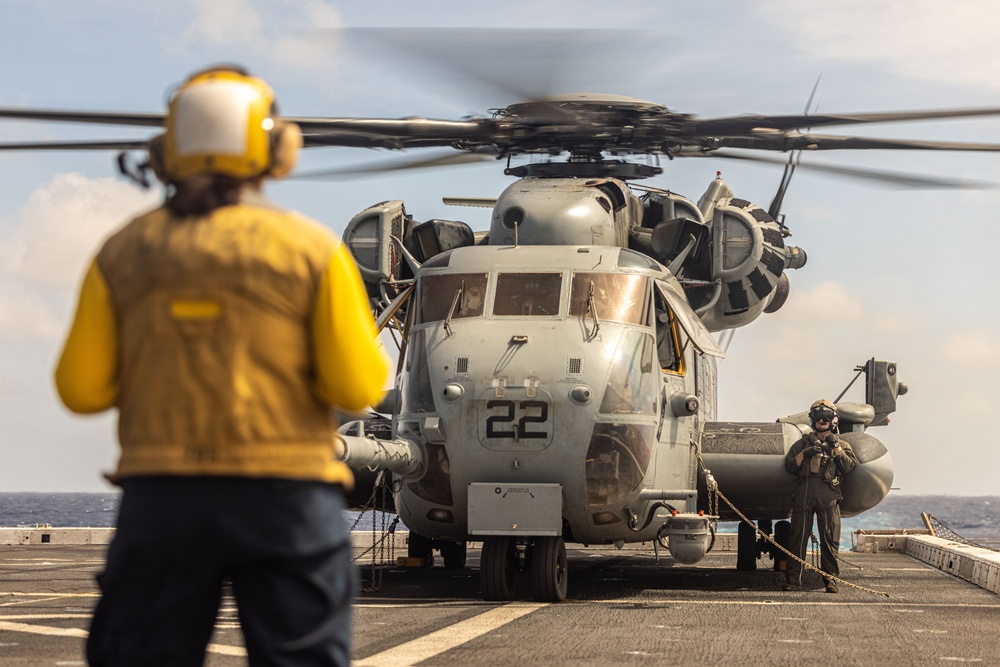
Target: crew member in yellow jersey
{"points": [[223, 329]]}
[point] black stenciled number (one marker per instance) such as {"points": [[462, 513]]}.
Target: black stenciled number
{"points": [[522, 425], [491, 431], [540, 418]]}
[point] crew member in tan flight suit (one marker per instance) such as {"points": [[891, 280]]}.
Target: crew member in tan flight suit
{"points": [[819, 460], [223, 329]]}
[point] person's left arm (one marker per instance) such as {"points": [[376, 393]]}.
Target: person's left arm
{"points": [[351, 367], [87, 373], [842, 453]]}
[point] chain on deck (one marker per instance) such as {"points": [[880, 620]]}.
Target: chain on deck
{"points": [[383, 546]]}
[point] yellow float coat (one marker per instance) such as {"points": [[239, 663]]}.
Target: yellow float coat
{"points": [[223, 340]]}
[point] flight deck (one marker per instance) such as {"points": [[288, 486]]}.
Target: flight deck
{"points": [[623, 607]]}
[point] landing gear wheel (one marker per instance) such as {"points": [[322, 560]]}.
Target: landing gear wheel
{"points": [[418, 546], [746, 548], [783, 536], [498, 568], [549, 569], [453, 554]]}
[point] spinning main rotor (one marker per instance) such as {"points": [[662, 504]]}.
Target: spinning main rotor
{"points": [[582, 135]]}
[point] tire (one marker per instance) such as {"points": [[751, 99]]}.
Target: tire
{"points": [[498, 568], [453, 554], [783, 536], [549, 569], [746, 548]]}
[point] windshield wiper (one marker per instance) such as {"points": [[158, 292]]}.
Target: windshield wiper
{"points": [[451, 311], [592, 309]]}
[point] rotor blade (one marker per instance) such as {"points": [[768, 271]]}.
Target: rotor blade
{"points": [[447, 160], [826, 142], [475, 202], [749, 123], [358, 140], [404, 131], [441, 130], [794, 158], [102, 118], [812, 96], [516, 64], [896, 178], [124, 145]]}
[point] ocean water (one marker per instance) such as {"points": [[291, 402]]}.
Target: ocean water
{"points": [[969, 516]]}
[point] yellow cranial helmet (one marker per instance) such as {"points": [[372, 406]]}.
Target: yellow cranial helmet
{"points": [[220, 122]]}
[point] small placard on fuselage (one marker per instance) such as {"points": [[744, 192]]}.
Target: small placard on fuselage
{"points": [[515, 509]]}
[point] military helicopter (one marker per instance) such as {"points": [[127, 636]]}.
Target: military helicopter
{"points": [[557, 377]]}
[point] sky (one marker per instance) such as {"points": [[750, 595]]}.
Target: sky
{"points": [[901, 275]]}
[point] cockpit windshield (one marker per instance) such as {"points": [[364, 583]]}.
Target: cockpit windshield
{"points": [[464, 293], [527, 294], [613, 297]]}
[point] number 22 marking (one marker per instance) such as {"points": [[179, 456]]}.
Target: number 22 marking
{"points": [[521, 430]]}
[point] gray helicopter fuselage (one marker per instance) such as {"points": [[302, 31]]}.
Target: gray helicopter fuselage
{"points": [[558, 379], [558, 365]]}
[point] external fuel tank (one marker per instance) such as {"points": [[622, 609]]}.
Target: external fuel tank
{"points": [[747, 461]]}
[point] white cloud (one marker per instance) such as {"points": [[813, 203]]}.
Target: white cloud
{"points": [[896, 324], [54, 235], [781, 363], [225, 23], [925, 39], [788, 359], [62, 223], [827, 302], [24, 315], [284, 32], [976, 349]]}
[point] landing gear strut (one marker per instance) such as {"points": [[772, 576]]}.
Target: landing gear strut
{"points": [[746, 548], [749, 548], [453, 554], [419, 546], [783, 536]]}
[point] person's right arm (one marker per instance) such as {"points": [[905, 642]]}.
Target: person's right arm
{"points": [[87, 373]]}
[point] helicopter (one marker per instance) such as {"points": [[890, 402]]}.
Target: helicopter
{"points": [[557, 379]]}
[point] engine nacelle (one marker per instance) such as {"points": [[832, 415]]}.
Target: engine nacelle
{"points": [[749, 257], [369, 237]]}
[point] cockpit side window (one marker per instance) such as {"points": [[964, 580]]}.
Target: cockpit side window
{"points": [[668, 348], [527, 295], [437, 293], [614, 297]]}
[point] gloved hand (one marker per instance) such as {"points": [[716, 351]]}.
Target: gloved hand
{"points": [[812, 451], [833, 439]]}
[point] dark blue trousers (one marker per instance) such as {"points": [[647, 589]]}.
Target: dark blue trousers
{"points": [[282, 543]]}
